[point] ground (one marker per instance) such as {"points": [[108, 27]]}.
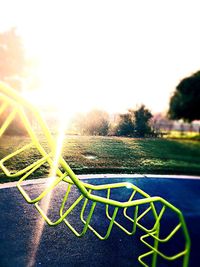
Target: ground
{"points": [[87, 155], [27, 241]]}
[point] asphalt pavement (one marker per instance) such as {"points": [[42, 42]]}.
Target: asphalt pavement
{"points": [[25, 240]]}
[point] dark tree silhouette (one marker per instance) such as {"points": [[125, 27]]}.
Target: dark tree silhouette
{"points": [[185, 102], [125, 126], [135, 123], [142, 117]]}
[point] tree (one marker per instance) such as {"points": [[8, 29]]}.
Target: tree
{"points": [[125, 126], [184, 104], [13, 67], [134, 123], [13, 62], [95, 122], [142, 117]]}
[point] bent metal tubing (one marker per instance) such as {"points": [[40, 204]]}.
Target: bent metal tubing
{"points": [[16, 106]]}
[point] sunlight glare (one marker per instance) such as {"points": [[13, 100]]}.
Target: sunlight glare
{"points": [[129, 185], [46, 201], [109, 55], [45, 204]]}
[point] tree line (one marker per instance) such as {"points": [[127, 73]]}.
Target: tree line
{"points": [[134, 123]]}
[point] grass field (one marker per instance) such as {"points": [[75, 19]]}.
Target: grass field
{"points": [[187, 135], [112, 155]]}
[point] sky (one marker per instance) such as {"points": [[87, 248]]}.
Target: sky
{"points": [[111, 55]]}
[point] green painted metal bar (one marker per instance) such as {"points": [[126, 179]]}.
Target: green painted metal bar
{"points": [[7, 122], [143, 256], [117, 223]]}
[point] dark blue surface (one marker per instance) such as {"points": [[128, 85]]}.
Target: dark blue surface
{"points": [[59, 247]]}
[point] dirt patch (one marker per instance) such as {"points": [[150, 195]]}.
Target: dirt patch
{"points": [[90, 156]]}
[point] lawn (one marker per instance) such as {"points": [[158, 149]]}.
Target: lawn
{"points": [[113, 155], [187, 135]]}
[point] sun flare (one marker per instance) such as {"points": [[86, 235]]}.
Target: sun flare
{"points": [[109, 55]]}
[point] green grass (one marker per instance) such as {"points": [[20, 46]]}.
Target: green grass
{"points": [[183, 135], [113, 155]]}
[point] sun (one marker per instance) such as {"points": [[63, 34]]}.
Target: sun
{"points": [[55, 90]]}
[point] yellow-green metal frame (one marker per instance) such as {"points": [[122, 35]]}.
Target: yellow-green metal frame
{"points": [[87, 199]]}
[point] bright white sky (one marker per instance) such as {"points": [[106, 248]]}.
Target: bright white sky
{"points": [[107, 54]]}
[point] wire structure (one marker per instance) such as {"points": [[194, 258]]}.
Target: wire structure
{"points": [[141, 204]]}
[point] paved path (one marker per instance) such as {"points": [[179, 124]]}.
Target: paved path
{"points": [[25, 240]]}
